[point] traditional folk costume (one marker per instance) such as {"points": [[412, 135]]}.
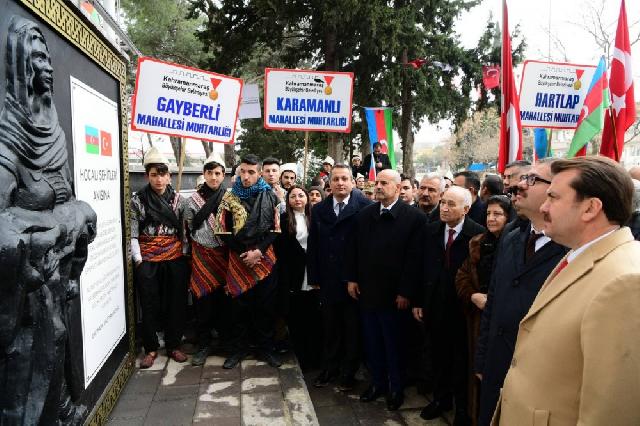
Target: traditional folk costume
{"points": [[209, 260], [158, 239], [248, 219]]}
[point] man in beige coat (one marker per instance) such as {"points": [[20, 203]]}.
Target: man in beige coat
{"points": [[577, 357]]}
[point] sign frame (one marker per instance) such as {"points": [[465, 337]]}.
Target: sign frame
{"points": [[135, 98], [300, 129], [537, 61]]}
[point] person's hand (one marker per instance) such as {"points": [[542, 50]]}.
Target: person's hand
{"points": [[251, 257], [379, 165], [479, 299], [280, 193], [479, 376], [353, 289], [417, 314], [402, 302]]}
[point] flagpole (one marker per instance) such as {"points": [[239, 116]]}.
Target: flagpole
{"points": [[615, 134], [306, 154], [181, 162], [548, 153]]}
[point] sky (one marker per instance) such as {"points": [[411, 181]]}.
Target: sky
{"points": [[566, 18]]}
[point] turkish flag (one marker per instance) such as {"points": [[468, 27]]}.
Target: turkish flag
{"points": [[105, 143], [623, 105], [491, 76], [510, 128], [416, 63]]}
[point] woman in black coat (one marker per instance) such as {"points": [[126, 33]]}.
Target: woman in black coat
{"points": [[303, 304]]}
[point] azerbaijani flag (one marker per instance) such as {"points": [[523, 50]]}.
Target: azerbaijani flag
{"points": [[92, 139], [542, 143], [381, 130], [591, 120]]}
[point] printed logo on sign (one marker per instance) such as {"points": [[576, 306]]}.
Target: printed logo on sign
{"points": [[92, 140], [105, 143], [577, 85], [213, 94], [328, 79]]}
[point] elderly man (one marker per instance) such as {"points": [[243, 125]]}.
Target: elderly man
{"points": [[429, 193], [437, 304], [576, 357], [524, 261], [386, 245], [471, 181]]}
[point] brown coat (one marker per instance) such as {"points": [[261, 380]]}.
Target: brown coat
{"points": [[576, 357], [467, 283]]}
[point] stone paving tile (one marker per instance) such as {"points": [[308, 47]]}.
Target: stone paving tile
{"points": [[219, 400], [159, 364], [326, 397], [143, 381], [181, 374], [260, 385], [131, 406], [338, 415], [300, 410], [259, 409], [412, 418], [177, 412], [258, 370], [172, 393], [139, 421]]}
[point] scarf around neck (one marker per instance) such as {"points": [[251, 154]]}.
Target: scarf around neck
{"points": [[158, 207], [245, 193], [213, 198]]}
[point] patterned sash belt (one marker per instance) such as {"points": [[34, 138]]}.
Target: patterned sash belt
{"points": [[160, 248], [208, 269]]}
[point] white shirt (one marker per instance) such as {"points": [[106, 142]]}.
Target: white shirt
{"points": [[389, 206], [540, 242], [457, 229], [575, 253], [302, 234], [336, 209]]}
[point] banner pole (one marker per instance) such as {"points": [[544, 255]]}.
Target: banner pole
{"points": [[615, 134], [306, 154], [181, 163]]}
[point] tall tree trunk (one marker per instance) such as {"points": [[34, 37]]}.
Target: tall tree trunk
{"points": [[229, 154], [176, 146], [406, 132], [208, 148], [334, 148]]}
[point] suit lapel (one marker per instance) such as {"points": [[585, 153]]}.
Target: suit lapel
{"points": [[546, 252], [556, 285]]}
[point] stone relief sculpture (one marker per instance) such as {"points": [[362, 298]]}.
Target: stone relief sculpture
{"points": [[44, 237]]}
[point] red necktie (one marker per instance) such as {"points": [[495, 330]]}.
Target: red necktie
{"points": [[560, 267], [452, 233]]}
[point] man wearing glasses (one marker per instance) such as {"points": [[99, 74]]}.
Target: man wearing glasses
{"points": [[524, 260]]}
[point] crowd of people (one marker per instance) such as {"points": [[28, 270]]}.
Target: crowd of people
{"points": [[526, 282]]}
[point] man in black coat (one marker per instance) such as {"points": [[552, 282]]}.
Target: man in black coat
{"points": [[437, 304], [386, 245], [429, 194], [332, 221], [380, 159], [524, 259]]}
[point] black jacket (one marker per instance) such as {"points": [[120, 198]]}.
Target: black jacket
{"points": [[379, 158], [292, 258], [326, 246], [513, 287], [634, 224], [437, 292], [384, 252], [478, 212]]}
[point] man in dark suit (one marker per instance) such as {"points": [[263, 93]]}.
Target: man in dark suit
{"points": [[524, 260], [385, 247], [429, 194], [471, 181], [332, 221], [381, 160], [437, 304]]}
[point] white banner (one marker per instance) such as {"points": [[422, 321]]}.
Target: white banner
{"points": [[96, 153], [180, 101], [250, 104], [552, 94], [307, 100]]}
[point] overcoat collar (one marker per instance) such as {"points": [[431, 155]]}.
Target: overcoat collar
{"points": [[556, 285]]}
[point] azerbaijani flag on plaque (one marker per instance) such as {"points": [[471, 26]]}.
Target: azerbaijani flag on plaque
{"points": [[591, 120], [92, 139], [380, 130]]}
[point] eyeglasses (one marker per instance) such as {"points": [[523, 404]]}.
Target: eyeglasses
{"points": [[532, 179]]}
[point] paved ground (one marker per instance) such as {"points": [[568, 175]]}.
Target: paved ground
{"points": [[178, 394], [253, 394], [333, 407]]}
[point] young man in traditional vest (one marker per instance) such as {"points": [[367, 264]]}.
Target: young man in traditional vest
{"points": [[248, 222], [158, 245], [209, 256]]}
